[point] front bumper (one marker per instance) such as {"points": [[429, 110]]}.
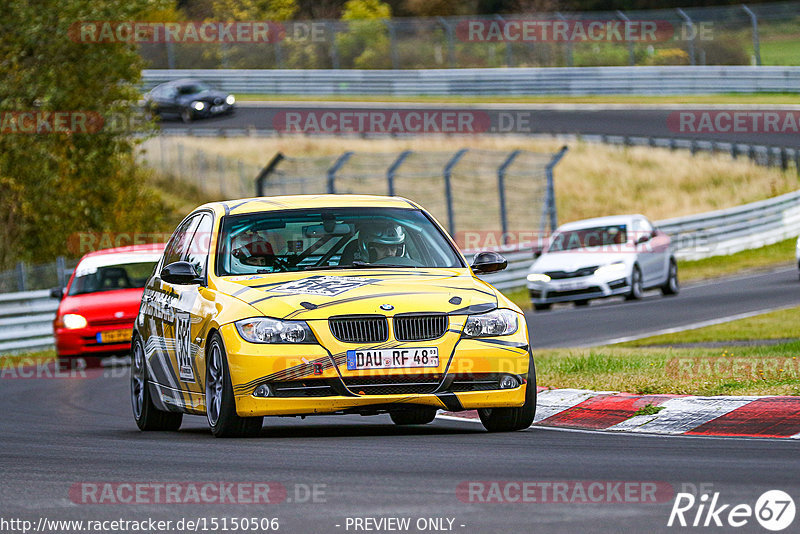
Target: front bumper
{"points": [[83, 341], [571, 289], [308, 379]]}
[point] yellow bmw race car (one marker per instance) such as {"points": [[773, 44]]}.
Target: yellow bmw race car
{"points": [[326, 304]]}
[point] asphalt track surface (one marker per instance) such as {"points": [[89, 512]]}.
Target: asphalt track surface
{"points": [[541, 119], [56, 433], [605, 321]]}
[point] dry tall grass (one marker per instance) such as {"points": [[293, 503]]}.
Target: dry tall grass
{"points": [[592, 180]]}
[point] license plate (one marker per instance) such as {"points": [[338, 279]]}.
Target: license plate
{"points": [[218, 109], [572, 286], [392, 358], [115, 336]]}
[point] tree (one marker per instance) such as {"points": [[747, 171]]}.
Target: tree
{"points": [[55, 185]]}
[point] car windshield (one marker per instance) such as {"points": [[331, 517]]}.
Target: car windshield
{"points": [[93, 275], [331, 238], [193, 88], [588, 237]]}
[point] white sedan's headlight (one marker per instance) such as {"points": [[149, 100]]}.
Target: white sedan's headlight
{"points": [[494, 323], [538, 277], [612, 269], [73, 321], [266, 330], [230, 100], [199, 106]]}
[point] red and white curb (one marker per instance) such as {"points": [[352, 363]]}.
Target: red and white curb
{"points": [[763, 417]]}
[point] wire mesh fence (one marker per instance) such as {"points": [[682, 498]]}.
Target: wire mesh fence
{"points": [[28, 277], [721, 35]]}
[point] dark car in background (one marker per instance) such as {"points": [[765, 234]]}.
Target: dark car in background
{"points": [[187, 99]]}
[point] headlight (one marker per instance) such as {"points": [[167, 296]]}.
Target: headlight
{"points": [[538, 277], [230, 100], [617, 268], [72, 321], [199, 106], [266, 330], [494, 323]]}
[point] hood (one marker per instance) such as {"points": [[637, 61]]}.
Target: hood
{"points": [[121, 304], [321, 294], [570, 261]]}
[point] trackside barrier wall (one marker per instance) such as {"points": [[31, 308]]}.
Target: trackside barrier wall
{"points": [[575, 81]]}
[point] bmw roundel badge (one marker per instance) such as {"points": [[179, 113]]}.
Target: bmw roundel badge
{"points": [[387, 307]]}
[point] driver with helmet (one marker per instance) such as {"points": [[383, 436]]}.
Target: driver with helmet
{"points": [[251, 249], [380, 241]]}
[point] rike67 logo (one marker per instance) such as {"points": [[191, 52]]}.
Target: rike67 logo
{"points": [[774, 510]]}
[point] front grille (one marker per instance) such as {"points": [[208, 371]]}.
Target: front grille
{"points": [[419, 327], [560, 275], [359, 329], [393, 385], [303, 388], [571, 292], [112, 321]]}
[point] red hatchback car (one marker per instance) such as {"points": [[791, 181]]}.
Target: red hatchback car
{"points": [[101, 300]]}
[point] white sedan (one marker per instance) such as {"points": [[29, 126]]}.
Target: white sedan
{"points": [[603, 257]]}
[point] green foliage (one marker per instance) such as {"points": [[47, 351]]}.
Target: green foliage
{"points": [[53, 185], [366, 45]]}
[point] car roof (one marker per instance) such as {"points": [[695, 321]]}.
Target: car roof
{"points": [[146, 248], [600, 221], [290, 202]]}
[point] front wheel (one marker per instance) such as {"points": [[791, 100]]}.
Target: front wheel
{"points": [[671, 286], [417, 415], [511, 419], [636, 284], [220, 403], [147, 416], [186, 115]]}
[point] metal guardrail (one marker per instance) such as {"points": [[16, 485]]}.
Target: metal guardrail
{"points": [[26, 321], [509, 82]]}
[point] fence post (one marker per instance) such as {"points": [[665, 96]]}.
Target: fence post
{"points": [[334, 169], [451, 47], [797, 161], [61, 271], [392, 43], [266, 171], [509, 52], [392, 170], [784, 158], [501, 191], [221, 174], [690, 25], [170, 56], [550, 199], [756, 43], [21, 278], [568, 44], [448, 191], [334, 51], [631, 55]]}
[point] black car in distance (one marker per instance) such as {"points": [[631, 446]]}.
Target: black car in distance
{"points": [[187, 99]]}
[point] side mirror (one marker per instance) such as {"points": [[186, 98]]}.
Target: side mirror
{"points": [[643, 239], [180, 273], [57, 293], [488, 262]]}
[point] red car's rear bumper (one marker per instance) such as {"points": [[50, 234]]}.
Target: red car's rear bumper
{"points": [[83, 341]]}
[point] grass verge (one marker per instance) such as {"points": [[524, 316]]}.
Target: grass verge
{"points": [[638, 367], [773, 255]]}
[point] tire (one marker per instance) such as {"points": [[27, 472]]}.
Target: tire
{"points": [[636, 284], [417, 415], [671, 286], [581, 303], [541, 307], [220, 403], [186, 115], [146, 415], [512, 419]]}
